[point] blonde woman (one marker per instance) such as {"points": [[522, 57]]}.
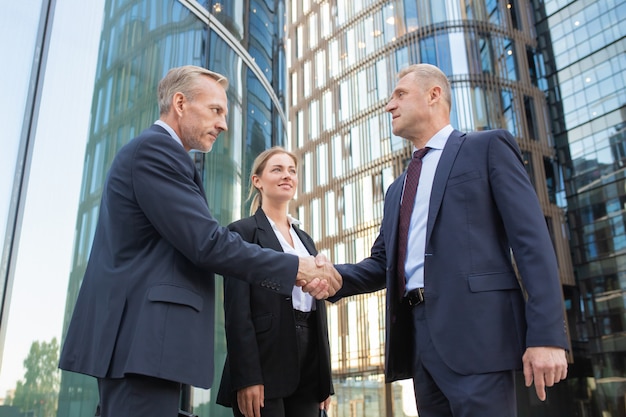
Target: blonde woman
{"points": [[278, 362]]}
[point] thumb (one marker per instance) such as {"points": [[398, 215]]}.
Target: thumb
{"points": [[321, 260]]}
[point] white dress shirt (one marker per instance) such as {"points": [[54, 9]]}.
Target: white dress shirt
{"points": [[301, 300], [416, 245]]}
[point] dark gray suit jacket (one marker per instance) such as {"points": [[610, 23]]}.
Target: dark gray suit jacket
{"points": [[261, 331], [482, 206], [146, 303]]}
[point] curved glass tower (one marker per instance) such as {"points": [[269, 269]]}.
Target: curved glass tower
{"points": [[141, 40], [583, 43], [342, 67]]}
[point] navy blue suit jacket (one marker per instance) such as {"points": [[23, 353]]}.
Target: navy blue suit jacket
{"points": [[261, 330], [482, 206], [146, 303]]}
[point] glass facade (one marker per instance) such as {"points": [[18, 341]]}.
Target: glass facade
{"points": [[584, 65], [138, 42], [48, 89], [14, 166], [343, 61]]}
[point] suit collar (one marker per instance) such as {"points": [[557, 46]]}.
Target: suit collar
{"points": [[169, 131]]}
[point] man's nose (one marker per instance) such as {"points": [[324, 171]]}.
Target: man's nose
{"points": [[222, 125]]}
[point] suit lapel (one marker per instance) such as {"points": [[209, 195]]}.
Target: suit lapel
{"points": [[392, 216], [265, 234], [198, 180], [444, 167], [306, 241], [267, 238]]}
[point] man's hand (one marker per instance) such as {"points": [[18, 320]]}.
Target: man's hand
{"points": [[250, 400], [545, 366], [318, 277]]}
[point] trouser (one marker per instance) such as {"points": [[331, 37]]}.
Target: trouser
{"points": [[138, 395], [441, 392], [303, 402]]}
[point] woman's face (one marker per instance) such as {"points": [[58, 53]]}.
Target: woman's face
{"points": [[279, 179]]}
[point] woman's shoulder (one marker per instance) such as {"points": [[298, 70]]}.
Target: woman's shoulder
{"points": [[243, 224]]}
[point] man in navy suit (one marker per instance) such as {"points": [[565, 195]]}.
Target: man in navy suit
{"points": [[457, 319], [143, 320]]}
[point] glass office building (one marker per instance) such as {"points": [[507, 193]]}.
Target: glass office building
{"points": [[343, 61], [139, 41], [583, 44]]}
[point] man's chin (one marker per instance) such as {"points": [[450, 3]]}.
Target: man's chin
{"points": [[203, 150], [206, 148]]}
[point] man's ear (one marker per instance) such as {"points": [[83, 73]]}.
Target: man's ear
{"points": [[434, 93], [177, 102]]}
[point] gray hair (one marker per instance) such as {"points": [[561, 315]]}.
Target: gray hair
{"points": [[432, 75], [183, 80]]}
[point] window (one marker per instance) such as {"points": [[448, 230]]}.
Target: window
{"points": [[328, 109], [410, 15], [307, 184], [331, 214], [508, 112], [337, 144], [320, 68], [552, 182], [314, 123], [529, 110], [322, 164], [306, 78], [527, 157]]}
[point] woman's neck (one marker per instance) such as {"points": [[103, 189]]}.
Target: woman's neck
{"points": [[276, 212]]}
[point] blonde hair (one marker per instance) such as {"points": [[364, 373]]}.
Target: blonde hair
{"points": [[183, 80], [432, 75], [259, 164]]}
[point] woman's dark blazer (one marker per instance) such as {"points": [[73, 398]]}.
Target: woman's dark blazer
{"points": [[260, 328]]}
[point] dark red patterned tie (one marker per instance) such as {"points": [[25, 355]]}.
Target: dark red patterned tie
{"points": [[406, 208]]}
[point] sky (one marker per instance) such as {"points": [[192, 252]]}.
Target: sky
{"points": [[44, 256]]}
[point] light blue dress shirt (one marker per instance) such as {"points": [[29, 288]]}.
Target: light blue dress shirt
{"points": [[416, 246]]}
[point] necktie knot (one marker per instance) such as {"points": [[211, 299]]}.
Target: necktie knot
{"points": [[419, 154]]}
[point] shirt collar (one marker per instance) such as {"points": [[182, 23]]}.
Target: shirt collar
{"points": [[292, 221], [169, 130], [438, 141]]}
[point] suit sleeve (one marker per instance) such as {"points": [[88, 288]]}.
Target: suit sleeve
{"points": [[366, 276], [163, 183], [243, 349], [530, 241]]}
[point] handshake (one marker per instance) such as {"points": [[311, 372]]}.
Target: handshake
{"points": [[318, 277]]}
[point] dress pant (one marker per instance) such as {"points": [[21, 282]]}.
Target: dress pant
{"points": [[441, 392], [138, 395], [303, 401]]}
